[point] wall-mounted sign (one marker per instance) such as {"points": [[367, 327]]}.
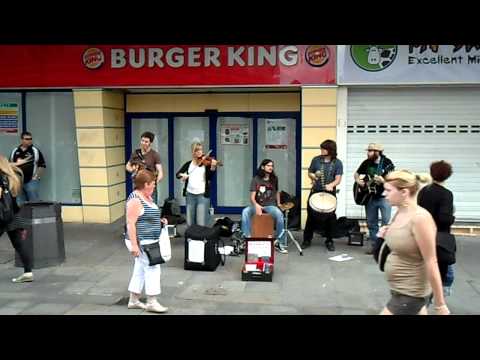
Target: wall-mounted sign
{"points": [[276, 131], [234, 134], [9, 118], [76, 66], [408, 64]]}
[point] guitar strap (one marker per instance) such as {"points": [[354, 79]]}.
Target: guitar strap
{"points": [[380, 166], [139, 154]]}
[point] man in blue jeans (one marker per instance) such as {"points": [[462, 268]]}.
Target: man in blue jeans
{"points": [[374, 168], [30, 160], [265, 197]]}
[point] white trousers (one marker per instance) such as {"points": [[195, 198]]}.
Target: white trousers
{"points": [[144, 274]]}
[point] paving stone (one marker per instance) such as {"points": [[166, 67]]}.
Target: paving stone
{"points": [[9, 311], [78, 287], [47, 309], [95, 277]]}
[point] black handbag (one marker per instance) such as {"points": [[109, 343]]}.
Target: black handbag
{"points": [[381, 252], [446, 248], [153, 253]]}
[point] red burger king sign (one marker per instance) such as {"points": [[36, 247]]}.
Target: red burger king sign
{"points": [[122, 66]]}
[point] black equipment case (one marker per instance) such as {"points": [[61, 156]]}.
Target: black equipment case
{"points": [[202, 240]]}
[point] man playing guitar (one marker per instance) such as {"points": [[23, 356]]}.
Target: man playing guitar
{"points": [[145, 158], [368, 189], [326, 172]]}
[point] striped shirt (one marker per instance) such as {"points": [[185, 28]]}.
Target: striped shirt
{"points": [[148, 224]]}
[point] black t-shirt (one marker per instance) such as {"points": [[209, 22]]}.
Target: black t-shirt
{"points": [[370, 168], [265, 191], [29, 167]]}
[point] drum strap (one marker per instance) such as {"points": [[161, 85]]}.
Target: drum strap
{"points": [[324, 177]]}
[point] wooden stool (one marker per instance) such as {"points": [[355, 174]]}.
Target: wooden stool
{"points": [[262, 226]]}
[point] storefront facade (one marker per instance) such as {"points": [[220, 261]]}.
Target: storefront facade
{"points": [[90, 105], [422, 104]]}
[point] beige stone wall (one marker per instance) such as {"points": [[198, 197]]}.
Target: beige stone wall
{"points": [[99, 118], [319, 123], [220, 102]]}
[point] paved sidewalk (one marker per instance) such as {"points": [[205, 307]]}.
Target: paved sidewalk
{"points": [[95, 276]]}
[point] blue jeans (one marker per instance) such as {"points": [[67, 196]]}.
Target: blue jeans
{"points": [[450, 276], [197, 209], [277, 215], [29, 192], [372, 208]]}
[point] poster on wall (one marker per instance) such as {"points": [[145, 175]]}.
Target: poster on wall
{"points": [[276, 131], [9, 118], [234, 134]]}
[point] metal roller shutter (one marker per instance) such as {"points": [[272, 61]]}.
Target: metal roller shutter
{"points": [[418, 126]]}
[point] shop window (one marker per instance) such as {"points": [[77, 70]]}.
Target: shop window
{"points": [[51, 120]]}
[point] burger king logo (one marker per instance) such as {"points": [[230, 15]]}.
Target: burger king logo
{"points": [[317, 55], [93, 58]]}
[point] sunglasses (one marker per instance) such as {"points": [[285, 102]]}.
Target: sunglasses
{"points": [[27, 139]]}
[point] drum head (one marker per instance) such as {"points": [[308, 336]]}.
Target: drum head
{"points": [[323, 202]]}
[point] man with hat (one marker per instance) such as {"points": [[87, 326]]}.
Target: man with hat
{"points": [[375, 167]]}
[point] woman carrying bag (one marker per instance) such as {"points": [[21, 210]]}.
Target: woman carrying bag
{"points": [[144, 227], [11, 186]]}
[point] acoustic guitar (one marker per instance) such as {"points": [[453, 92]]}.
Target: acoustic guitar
{"points": [[362, 194]]}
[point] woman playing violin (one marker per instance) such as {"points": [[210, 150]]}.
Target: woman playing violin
{"points": [[197, 174]]}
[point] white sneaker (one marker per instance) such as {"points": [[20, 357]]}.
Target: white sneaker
{"points": [[136, 305], [25, 277], [156, 307]]}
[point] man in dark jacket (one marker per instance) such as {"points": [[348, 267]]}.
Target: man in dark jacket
{"points": [[375, 168]]}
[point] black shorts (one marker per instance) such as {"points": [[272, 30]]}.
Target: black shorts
{"points": [[400, 304]]}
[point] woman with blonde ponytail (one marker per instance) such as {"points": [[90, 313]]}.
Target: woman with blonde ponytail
{"points": [[411, 268], [12, 177]]}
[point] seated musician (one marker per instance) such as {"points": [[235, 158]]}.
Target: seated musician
{"points": [[326, 172], [265, 197], [146, 158], [197, 175]]}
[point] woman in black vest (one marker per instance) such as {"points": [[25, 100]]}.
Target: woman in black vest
{"points": [[197, 178]]}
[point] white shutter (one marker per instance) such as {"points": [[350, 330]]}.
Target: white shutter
{"points": [[418, 126]]}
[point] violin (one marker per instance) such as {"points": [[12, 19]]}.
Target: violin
{"points": [[206, 160]]}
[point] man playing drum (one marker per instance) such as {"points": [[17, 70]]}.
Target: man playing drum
{"points": [[326, 172]]}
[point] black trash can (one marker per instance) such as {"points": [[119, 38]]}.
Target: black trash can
{"points": [[44, 225]]}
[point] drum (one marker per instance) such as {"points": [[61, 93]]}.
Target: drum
{"points": [[323, 202]]}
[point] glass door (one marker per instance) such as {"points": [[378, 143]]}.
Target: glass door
{"points": [[235, 149], [277, 141], [187, 129]]}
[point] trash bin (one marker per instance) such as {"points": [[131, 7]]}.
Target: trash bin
{"points": [[44, 241]]}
